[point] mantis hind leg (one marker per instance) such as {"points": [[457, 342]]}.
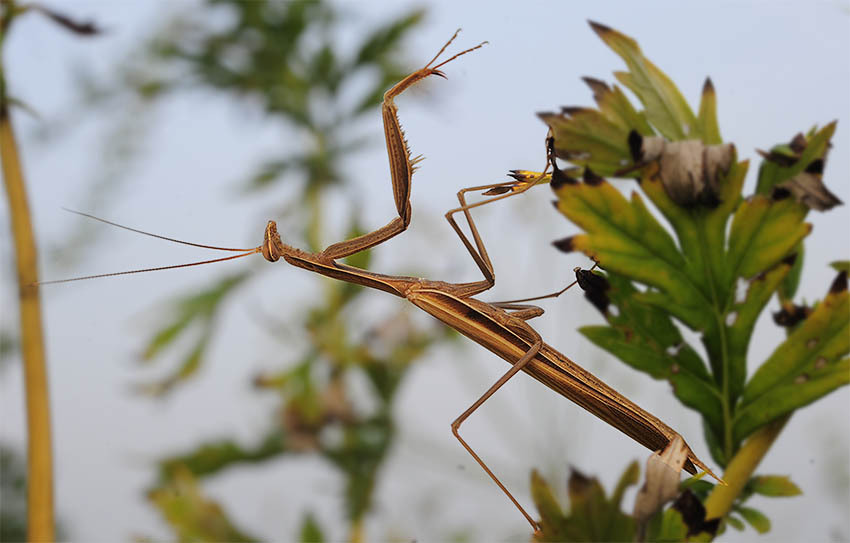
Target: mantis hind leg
{"points": [[515, 368]]}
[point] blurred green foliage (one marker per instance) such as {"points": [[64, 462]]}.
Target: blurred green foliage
{"points": [[729, 256], [13, 497], [285, 59], [592, 516]]}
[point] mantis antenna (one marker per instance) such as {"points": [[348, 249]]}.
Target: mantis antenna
{"points": [[244, 252]]}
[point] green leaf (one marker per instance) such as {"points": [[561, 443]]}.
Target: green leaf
{"points": [[774, 485], [386, 39], [841, 265], [626, 239], [763, 232], [701, 233], [190, 514], [592, 517], [324, 69], [630, 477], [735, 522], [707, 125], [199, 307], [667, 527], [666, 109], [23, 106], [715, 440], [196, 311], [166, 336], [597, 139], [587, 138], [789, 285], [215, 456], [772, 171], [755, 518], [746, 313], [786, 397], [271, 171], [551, 515], [364, 445], [820, 340], [803, 368], [614, 105], [78, 27], [310, 531]]}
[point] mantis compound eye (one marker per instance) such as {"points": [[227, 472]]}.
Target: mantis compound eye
{"points": [[271, 243]]}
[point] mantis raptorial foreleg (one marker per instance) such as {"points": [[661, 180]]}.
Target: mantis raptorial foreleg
{"points": [[402, 164]]}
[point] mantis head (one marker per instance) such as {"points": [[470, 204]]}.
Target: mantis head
{"points": [[272, 247]]}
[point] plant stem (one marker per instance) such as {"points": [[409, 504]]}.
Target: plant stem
{"points": [[355, 534], [741, 468], [39, 461], [720, 321]]}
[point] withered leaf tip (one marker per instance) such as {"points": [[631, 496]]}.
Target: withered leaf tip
{"points": [[591, 178], [635, 143], [598, 27], [839, 284], [564, 245], [572, 110], [815, 166], [790, 259]]}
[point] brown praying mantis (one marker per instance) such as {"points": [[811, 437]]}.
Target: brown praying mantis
{"points": [[502, 327]]}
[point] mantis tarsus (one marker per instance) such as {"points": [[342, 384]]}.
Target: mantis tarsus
{"points": [[501, 328]]}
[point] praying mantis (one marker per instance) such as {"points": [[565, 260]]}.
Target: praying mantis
{"points": [[501, 328]]}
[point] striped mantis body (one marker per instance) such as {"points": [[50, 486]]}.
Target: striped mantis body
{"points": [[501, 328]]}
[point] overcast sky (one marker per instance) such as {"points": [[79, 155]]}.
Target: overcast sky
{"points": [[778, 68]]}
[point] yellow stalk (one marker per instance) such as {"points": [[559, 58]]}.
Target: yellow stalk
{"points": [[741, 468], [39, 461]]}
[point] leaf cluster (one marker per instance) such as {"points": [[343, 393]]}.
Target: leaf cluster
{"points": [[284, 57], [594, 516], [317, 414], [712, 266], [718, 272]]}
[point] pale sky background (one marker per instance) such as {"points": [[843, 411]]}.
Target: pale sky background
{"points": [[778, 67]]}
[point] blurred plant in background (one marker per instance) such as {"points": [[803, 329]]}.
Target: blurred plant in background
{"points": [[284, 58], [30, 343]]}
